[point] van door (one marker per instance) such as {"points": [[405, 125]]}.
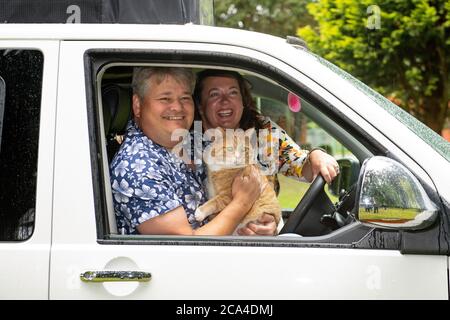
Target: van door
{"points": [[28, 70], [201, 267]]}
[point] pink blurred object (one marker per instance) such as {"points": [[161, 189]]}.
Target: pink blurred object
{"points": [[294, 102]]}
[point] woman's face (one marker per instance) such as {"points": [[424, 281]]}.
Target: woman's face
{"points": [[221, 103]]}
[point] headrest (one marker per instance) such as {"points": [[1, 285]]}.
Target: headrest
{"points": [[116, 102]]}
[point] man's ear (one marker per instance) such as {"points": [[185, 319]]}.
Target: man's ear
{"points": [[136, 106]]}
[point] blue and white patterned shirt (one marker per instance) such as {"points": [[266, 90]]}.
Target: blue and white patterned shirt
{"points": [[147, 180]]}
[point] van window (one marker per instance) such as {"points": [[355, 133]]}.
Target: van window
{"points": [[304, 125], [305, 132], [20, 105]]}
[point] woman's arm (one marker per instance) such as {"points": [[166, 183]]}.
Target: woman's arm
{"points": [[320, 162], [298, 163]]}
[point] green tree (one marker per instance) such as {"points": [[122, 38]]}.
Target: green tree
{"points": [[400, 48], [276, 17]]}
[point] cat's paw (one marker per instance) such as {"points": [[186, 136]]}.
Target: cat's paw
{"points": [[199, 215]]}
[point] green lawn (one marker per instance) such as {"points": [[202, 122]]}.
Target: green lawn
{"points": [[291, 191], [389, 214]]}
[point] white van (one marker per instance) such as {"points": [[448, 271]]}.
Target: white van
{"points": [[65, 96]]}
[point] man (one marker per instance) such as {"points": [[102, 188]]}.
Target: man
{"points": [[154, 191]]}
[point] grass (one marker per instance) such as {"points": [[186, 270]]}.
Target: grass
{"points": [[389, 214], [292, 191]]}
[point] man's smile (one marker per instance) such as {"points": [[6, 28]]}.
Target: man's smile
{"points": [[173, 117]]}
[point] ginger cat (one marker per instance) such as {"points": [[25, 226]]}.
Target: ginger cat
{"points": [[230, 155]]}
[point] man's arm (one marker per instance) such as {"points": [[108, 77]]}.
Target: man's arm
{"points": [[246, 189], [175, 222]]}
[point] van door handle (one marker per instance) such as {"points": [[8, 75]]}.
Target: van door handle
{"points": [[108, 276]]}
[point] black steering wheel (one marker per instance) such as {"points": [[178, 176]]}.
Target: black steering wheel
{"points": [[304, 206]]}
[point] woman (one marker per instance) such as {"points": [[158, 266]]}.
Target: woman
{"points": [[224, 99]]}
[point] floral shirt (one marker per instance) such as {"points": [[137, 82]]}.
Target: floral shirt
{"points": [[147, 180], [290, 158]]}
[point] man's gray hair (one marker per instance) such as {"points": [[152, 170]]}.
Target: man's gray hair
{"points": [[141, 75]]}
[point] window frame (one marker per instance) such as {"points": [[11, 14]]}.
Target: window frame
{"points": [[350, 236], [2, 107]]}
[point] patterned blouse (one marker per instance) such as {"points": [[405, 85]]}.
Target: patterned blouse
{"points": [[147, 180], [290, 157]]}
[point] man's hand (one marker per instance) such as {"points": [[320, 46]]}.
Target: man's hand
{"points": [[246, 187], [264, 226]]}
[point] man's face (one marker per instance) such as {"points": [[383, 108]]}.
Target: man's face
{"points": [[167, 106], [221, 103]]}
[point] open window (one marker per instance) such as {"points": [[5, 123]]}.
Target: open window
{"points": [[311, 123], [309, 128]]}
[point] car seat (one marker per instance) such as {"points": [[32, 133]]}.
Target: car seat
{"points": [[116, 107], [116, 103]]}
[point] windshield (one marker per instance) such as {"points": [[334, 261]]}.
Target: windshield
{"points": [[437, 142]]}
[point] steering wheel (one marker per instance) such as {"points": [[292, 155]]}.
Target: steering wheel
{"points": [[304, 205]]}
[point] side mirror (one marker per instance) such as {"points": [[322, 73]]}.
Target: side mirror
{"points": [[389, 196], [348, 176]]}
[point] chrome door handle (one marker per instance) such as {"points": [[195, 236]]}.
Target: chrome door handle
{"points": [[108, 276]]}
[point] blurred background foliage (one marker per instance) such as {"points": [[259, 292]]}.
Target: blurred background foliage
{"points": [[399, 48]]}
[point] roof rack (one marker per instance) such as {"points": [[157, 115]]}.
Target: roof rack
{"points": [[297, 42], [107, 11]]}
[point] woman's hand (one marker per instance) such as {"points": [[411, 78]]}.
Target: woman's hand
{"points": [[264, 226], [246, 187], [320, 162]]}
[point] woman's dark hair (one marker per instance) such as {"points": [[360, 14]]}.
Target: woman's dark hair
{"points": [[250, 116]]}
